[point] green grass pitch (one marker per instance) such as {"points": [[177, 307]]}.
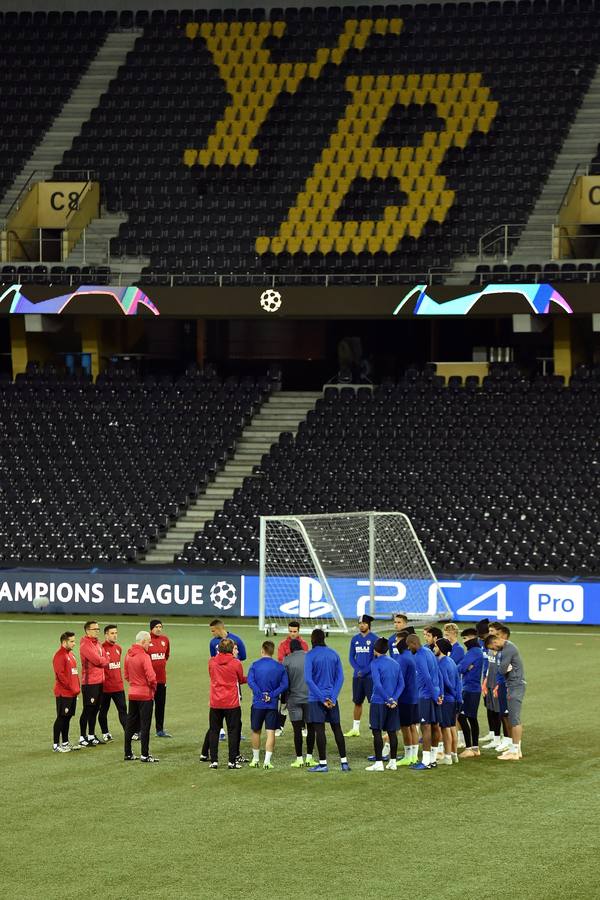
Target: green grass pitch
{"points": [[88, 824]]}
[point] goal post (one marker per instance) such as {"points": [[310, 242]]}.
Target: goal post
{"points": [[326, 568]]}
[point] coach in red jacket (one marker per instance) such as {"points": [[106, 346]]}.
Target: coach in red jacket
{"points": [[140, 674], [159, 650], [226, 675], [66, 690], [93, 664], [113, 689]]}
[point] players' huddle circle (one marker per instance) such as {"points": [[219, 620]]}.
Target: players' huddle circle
{"points": [[429, 692]]}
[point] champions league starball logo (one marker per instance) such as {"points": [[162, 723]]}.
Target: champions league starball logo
{"points": [[223, 595]]}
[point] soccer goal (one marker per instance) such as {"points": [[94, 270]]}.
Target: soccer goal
{"points": [[324, 569]]}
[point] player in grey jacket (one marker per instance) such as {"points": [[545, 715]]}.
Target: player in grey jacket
{"points": [[297, 704], [511, 666]]}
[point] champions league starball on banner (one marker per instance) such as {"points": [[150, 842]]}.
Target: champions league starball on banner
{"points": [[270, 300]]}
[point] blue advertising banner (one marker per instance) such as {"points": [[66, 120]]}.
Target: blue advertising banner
{"points": [[142, 591], [508, 600], [172, 592]]}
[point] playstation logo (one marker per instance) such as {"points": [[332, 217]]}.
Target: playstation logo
{"points": [[310, 603]]}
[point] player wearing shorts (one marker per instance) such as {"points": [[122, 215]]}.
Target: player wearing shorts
{"points": [[388, 684], [361, 656], [408, 703], [297, 704], [430, 698], [470, 668], [452, 691], [268, 680], [66, 691], [113, 689], [93, 665], [324, 677], [511, 667], [283, 650]]}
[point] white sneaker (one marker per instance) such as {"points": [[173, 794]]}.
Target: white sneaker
{"points": [[107, 737], [491, 746], [61, 748], [70, 745], [444, 761], [487, 738], [376, 767], [504, 744], [392, 765], [279, 732]]}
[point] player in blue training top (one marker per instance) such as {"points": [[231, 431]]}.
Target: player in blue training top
{"points": [[267, 679], [361, 656], [388, 684], [408, 702], [451, 632], [430, 698], [218, 631], [452, 690], [324, 678], [470, 668]]}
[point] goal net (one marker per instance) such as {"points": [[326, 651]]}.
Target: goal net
{"points": [[324, 569]]}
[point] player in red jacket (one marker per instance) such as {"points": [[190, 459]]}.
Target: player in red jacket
{"points": [[93, 665], [113, 689], [226, 675], [160, 650], [140, 674], [283, 650], [66, 690]]}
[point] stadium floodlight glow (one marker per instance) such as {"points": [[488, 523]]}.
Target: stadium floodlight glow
{"points": [[313, 566]]}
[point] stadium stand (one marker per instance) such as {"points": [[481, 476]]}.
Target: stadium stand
{"points": [[335, 139], [94, 473], [43, 58], [496, 478]]}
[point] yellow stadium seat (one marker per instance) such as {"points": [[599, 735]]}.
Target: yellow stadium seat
{"points": [[309, 244], [261, 245], [357, 244], [325, 245], [374, 244], [293, 245], [395, 26], [383, 169], [286, 230], [190, 157], [276, 245]]}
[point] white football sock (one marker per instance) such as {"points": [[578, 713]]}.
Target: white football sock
{"points": [[268, 755], [255, 755], [426, 757], [454, 757], [356, 725], [299, 759], [343, 759], [322, 762]]}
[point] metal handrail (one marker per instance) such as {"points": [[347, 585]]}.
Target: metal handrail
{"points": [[126, 277], [20, 243], [42, 175], [502, 233], [571, 184]]}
